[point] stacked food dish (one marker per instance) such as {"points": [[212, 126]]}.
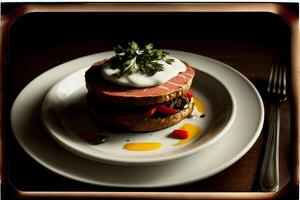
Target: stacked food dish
{"points": [[140, 89]]}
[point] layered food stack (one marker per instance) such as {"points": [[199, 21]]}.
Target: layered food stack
{"points": [[140, 89]]}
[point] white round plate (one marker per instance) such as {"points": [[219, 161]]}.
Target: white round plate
{"points": [[66, 115], [237, 140]]}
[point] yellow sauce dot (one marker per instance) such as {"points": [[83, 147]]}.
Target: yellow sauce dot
{"points": [[143, 146], [199, 105], [193, 131]]}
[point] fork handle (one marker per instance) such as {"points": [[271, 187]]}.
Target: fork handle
{"points": [[269, 174]]}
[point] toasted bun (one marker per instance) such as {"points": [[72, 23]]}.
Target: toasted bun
{"points": [[148, 124], [124, 95]]}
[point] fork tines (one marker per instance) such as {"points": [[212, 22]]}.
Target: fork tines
{"points": [[277, 80]]}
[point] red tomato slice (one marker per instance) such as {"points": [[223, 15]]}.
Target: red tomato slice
{"points": [[165, 110], [189, 95], [180, 134]]}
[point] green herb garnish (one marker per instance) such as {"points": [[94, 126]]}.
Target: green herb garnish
{"points": [[132, 59]]}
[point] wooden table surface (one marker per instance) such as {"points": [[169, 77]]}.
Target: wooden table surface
{"points": [[249, 42]]}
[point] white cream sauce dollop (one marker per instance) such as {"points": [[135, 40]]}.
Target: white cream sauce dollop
{"points": [[140, 80]]}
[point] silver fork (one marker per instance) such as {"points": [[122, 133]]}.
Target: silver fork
{"points": [[269, 172]]}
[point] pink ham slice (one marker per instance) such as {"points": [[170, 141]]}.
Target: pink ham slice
{"points": [[110, 92]]}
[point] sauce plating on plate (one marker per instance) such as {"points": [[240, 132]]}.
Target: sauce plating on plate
{"points": [[193, 131], [142, 146]]}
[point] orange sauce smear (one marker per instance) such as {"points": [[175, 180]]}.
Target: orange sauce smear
{"points": [[199, 105], [142, 146], [193, 131]]}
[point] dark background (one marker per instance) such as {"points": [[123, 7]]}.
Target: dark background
{"points": [[48, 39], [249, 42]]}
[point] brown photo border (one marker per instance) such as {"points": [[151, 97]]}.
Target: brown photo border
{"points": [[279, 9]]}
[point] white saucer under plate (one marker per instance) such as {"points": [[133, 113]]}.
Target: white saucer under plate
{"points": [[237, 140], [65, 115]]}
